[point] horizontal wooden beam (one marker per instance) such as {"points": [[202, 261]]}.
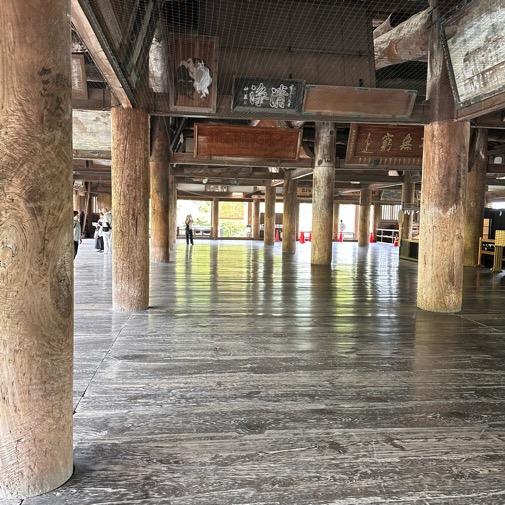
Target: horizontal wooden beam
{"points": [[85, 154], [420, 113], [189, 159]]}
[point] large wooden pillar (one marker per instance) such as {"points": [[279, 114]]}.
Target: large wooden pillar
{"points": [[172, 210], [408, 190], [215, 218], [256, 220], [104, 200], [365, 202], [475, 197], [289, 214], [159, 167], [36, 267], [322, 194], [377, 217], [445, 163], [269, 222], [130, 212]]}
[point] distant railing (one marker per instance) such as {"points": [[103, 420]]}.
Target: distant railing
{"points": [[386, 235]]}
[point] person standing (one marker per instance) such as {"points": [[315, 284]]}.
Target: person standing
{"points": [[189, 229], [77, 232], [107, 230], [341, 229], [99, 234]]}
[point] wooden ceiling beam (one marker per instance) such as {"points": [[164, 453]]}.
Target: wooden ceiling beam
{"points": [[91, 34], [189, 159]]}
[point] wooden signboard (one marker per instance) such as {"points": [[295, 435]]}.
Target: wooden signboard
{"points": [[304, 192], [78, 73], [192, 73], [474, 44], [342, 101], [247, 142], [274, 95], [383, 145]]}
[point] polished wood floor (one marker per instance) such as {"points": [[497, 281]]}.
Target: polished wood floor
{"points": [[257, 379]]}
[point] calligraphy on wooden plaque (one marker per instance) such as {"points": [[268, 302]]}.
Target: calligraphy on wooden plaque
{"points": [[383, 145], [274, 95]]}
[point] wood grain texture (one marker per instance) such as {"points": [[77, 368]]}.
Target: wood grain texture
{"points": [[256, 379], [475, 197], [256, 220], [289, 215], [365, 202], [36, 267], [130, 212], [408, 193], [322, 193], [269, 217], [159, 168], [215, 218], [445, 165]]}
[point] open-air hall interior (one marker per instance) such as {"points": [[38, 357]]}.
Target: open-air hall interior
{"points": [[294, 364]]}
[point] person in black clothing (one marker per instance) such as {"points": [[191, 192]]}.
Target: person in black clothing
{"points": [[189, 229]]}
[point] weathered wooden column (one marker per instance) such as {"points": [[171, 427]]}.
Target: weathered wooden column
{"points": [[336, 218], [365, 201], [159, 167], [36, 267], [269, 222], [376, 217], [297, 220], [172, 210], [322, 194], [289, 214], [130, 213], [475, 197], [215, 218], [408, 190], [445, 163], [256, 220]]}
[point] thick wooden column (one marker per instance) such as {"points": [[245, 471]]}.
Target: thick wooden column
{"points": [[172, 210], [445, 164], [336, 219], [408, 189], [256, 220], [36, 267], [215, 218], [289, 215], [365, 201], [297, 220], [377, 216], [475, 197], [159, 167], [130, 212], [440, 284], [269, 224], [322, 194]]}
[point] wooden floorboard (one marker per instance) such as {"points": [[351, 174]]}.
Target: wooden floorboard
{"points": [[257, 379]]}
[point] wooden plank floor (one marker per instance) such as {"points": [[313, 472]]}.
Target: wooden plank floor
{"points": [[256, 379]]}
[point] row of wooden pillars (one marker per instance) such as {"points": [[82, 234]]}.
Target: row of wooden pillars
{"points": [[36, 267]]}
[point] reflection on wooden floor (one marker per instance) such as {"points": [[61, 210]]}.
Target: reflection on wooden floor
{"points": [[256, 379]]}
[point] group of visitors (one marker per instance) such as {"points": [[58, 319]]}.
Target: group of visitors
{"points": [[103, 232]]}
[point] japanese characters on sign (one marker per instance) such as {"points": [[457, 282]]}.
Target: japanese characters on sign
{"points": [[276, 95], [385, 145]]}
